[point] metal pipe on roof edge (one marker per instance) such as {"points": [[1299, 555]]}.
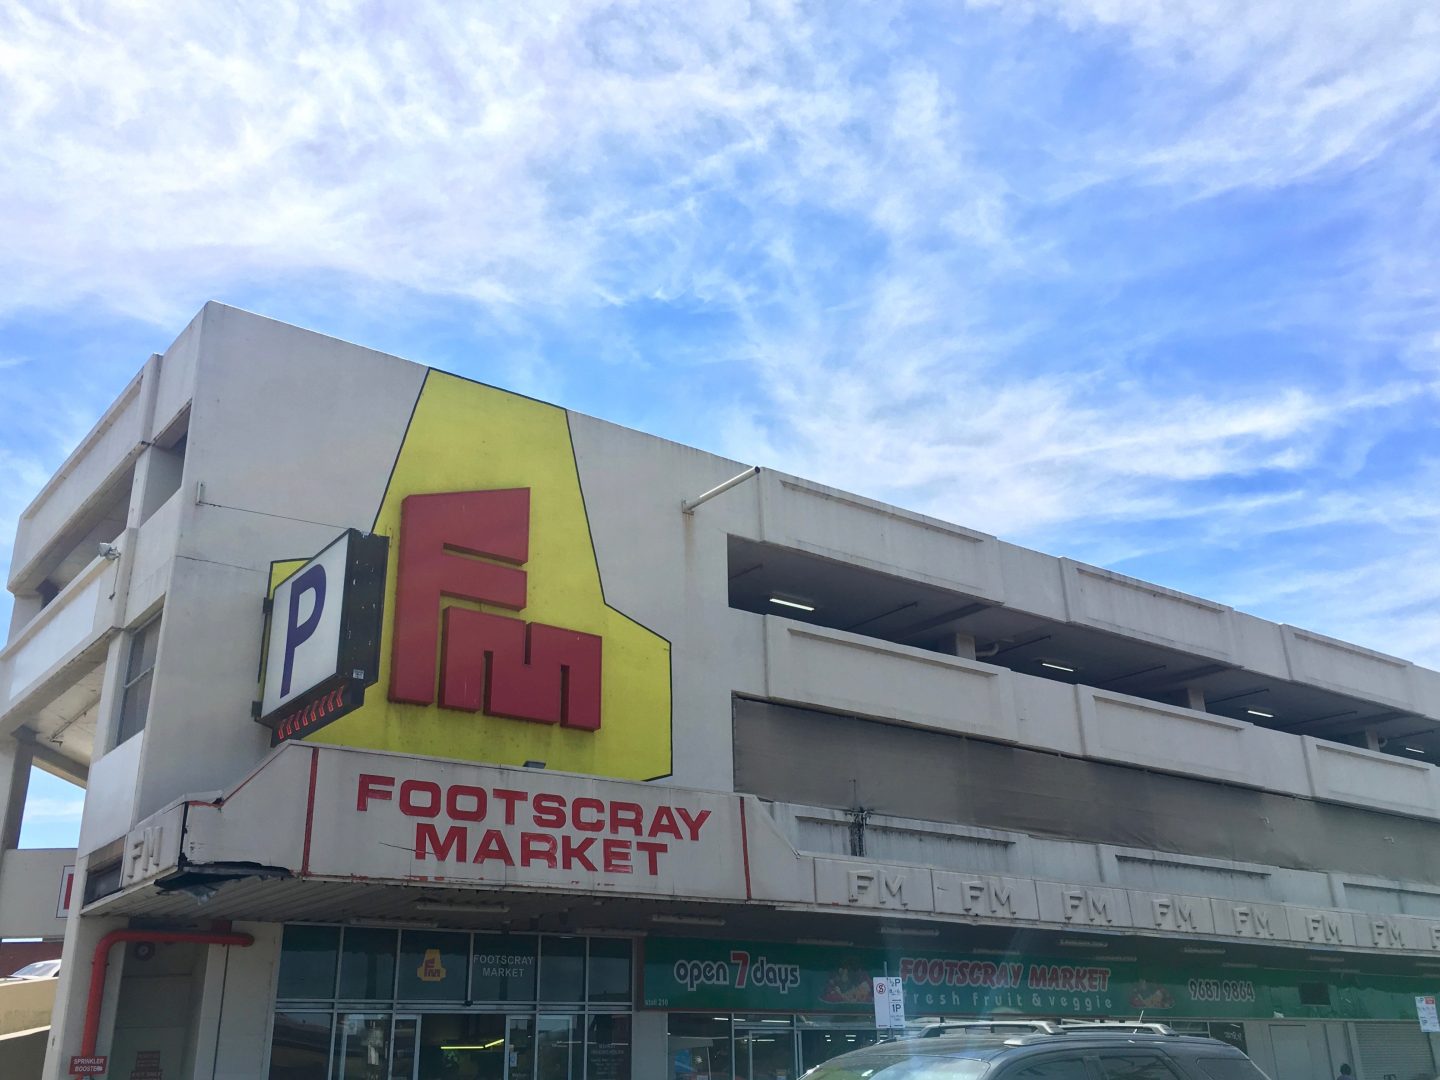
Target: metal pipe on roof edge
{"points": [[719, 489]]}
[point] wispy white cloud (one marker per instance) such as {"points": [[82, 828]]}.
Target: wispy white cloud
{"points": [[1246, 93], [51, 810], [1033, 266]]}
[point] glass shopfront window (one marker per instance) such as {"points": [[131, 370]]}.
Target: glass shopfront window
{"points": [[300, 1047], [607, 1047], [759, 1046], [307, 962], [610, 978], [699, 1047], [503, 967], [367, 965], [562, 969], [432, 966], [366, 1003]]}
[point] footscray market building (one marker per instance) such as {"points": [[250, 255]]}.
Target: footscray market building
{"points": [[576, 754]]}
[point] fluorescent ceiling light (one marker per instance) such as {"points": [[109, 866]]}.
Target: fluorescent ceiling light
{"points": [[1257, 712], [461, 908], [486, 1046], [1082, 943], [905, 931], [1056, 667], [688, 920], [1414, 749], [791, 603], [386, 921], [1193, 951]]}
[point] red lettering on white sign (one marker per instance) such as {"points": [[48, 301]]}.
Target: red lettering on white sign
{"points": [[561, 833]]}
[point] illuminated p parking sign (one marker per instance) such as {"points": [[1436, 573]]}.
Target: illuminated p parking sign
{"points": [[322, 643]]}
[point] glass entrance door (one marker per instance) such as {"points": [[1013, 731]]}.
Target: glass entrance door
{"points": [[402, 1047], [489, 1046], [764, 1055], [362, 1047], [462, 1046], [557, 1055], [520, 1049]]}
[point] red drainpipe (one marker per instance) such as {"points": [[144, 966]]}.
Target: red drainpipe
{"points": [[160, 937]]}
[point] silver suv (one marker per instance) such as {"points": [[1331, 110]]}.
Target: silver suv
{"points": [[1074, 1052]]}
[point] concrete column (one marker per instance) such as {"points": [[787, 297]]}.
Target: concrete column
{"points": [[961, 645], [67, 1022], [15, 760], [1372, 739], [1195, 698], [244, 989], [648, 1045]]}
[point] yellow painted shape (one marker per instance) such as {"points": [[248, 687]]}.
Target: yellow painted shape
{"points": [[282, 571], [468, 437]]}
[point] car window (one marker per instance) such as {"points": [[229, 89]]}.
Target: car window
{"points": [[1229, 1068], [915, 1067], [1132, 1065], [38, 970], [1054, 1067]]}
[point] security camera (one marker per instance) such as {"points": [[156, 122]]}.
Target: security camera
{"points": [[109, 551]]}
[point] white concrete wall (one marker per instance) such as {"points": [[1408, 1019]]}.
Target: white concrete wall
{"points": [[30, 881], [662, 567], [292, 436], [835, 524], [830, 669], [235, 1040], [112, 445], [110, 795], [25, 1005], [76, 620]]}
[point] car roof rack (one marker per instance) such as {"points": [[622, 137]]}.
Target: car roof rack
{"points": [[1138, 1026], [952, 1027], [1021, 1026]]}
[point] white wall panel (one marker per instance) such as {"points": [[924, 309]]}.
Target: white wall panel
{"points": [[836, 670]]}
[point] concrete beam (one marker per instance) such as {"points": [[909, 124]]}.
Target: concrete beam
{"points": [[51, 760]]}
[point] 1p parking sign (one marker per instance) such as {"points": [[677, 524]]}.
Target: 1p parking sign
{"points": [[889, 994], [1429, 1018]]}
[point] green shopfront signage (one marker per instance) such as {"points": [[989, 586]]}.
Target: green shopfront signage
{"points": [[717, 974]]}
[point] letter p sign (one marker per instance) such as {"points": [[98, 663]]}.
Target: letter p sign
{"points": [[310, 583], [306, 617]]}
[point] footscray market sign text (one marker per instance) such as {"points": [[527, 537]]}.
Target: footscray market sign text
{"points": [[382, 816], [465, 823]]}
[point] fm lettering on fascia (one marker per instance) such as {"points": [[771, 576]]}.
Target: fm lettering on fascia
{"points": [[501, 666], [545, 829]]}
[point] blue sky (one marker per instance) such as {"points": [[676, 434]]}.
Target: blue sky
{"points": [[1154, 286]]}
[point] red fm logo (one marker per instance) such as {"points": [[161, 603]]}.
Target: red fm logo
{"points": [[469, 546]]}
